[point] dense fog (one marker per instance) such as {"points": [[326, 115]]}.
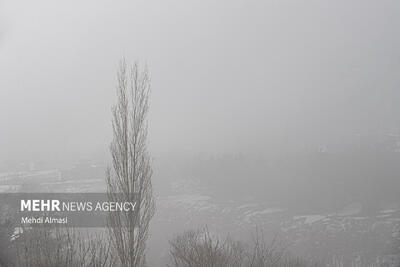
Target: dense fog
{"points": [[283, 115]]}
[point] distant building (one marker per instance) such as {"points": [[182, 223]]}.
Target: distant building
{"points": [[40, 176], [83, 171], [389, 142], [390, 261]]}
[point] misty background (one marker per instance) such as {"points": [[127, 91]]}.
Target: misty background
{"points": [[286, 102], [243, 76]]}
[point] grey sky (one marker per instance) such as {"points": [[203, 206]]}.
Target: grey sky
{"points": [[228, 76]]}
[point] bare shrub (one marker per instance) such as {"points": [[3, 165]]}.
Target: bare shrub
{"points": [[7, 250]]}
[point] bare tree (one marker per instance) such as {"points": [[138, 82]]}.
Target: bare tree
{"points": [[129, 179], [201, 249], [54, 246]]}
